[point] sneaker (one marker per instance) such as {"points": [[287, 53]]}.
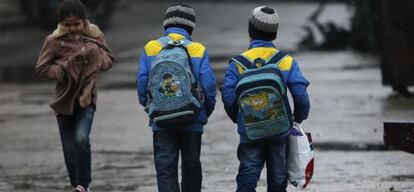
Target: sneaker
{"points": [[80, 189]]}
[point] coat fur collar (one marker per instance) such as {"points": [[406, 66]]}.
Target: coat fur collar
{"points": [[90, 30]]}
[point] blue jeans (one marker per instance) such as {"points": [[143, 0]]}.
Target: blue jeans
{"points": [[167, 146], [254, 155], [74, 133]]}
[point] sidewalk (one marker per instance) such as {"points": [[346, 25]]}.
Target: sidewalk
{"points": [[348, 105]]}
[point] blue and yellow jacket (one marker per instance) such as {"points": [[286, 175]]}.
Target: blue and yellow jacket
{"points": [[292, 78], [201, 68]]}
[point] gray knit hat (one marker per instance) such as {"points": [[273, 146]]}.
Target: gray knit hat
{"points": [[263, 23], [180, 15]]}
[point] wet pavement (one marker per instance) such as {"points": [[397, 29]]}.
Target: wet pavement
{"points": [[348, 102]]}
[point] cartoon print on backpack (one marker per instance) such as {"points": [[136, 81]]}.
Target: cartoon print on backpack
{"points": [[169, 86], [261, 106]]}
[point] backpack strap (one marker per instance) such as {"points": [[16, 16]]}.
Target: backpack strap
{"points": [[243, 61], [168, 43], [164, 41], [276, 58], [186, 42], [183, 43]]}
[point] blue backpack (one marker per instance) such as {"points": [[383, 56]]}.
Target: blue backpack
{"points": [[261, 97], [174, 92]]}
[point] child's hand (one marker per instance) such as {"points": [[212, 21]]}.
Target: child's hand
{"points": [[80, 55], [296, 124], [85, 54], [90, 48], [90, 52], [60, 74]]}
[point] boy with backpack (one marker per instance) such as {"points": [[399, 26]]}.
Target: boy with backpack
{"points": [[254, 94], [177, 87]]}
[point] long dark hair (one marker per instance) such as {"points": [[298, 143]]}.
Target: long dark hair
{"points": [[70, 8]]}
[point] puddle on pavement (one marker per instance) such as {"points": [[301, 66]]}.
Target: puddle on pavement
{"points": [[36, 98], [403, 178], [398, 108], [24, 186], [108, 166], [336, 146], [108, 187], [49, 180], [13, 117]]}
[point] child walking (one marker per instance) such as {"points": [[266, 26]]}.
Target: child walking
{"points": [[178, 104], [254, 96], [73, 55]]}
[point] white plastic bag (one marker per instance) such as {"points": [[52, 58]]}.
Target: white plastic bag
{"points": [[300, 157]]}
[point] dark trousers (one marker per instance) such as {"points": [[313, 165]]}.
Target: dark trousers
{"points": [[167, 146], [253, 156], [74, 133]]}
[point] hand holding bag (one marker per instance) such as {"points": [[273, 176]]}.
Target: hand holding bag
{"points": [[300, 159]]}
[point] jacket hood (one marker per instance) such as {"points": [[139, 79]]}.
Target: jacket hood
{"points": [[260, 43], [178, 30], [91, 30]]}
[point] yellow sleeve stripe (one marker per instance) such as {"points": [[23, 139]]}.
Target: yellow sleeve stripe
{"points": [[153, 48], [240, 69], [196, 50], [286, 63]]}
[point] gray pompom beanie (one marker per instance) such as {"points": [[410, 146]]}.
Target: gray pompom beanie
{"points": [[263, 23], [180, 15]]}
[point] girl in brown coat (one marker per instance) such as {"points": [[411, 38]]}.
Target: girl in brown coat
{"points": [[73, 55]]}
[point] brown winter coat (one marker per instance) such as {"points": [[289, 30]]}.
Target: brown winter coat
{"points": [[74, 61]]}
